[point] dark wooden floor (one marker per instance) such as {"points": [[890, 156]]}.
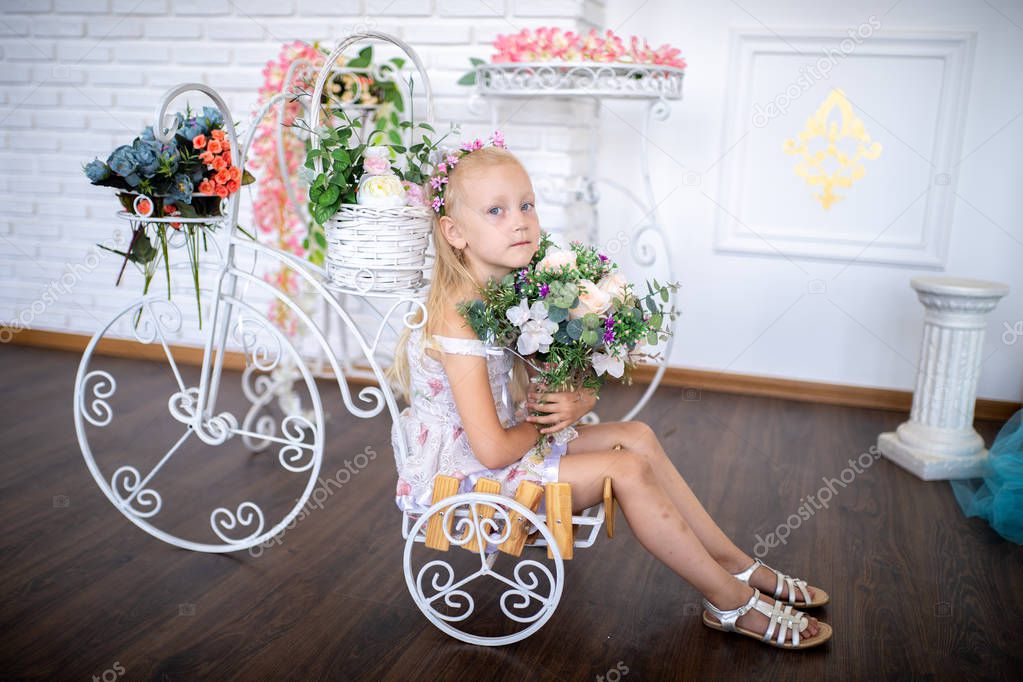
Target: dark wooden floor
{"points": [[917, 591]]}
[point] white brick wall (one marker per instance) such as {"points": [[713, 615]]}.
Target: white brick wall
{"points": [[79, 77]]}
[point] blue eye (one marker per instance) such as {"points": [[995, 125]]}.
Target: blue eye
{"points": [[496, 210], [527, 205]]}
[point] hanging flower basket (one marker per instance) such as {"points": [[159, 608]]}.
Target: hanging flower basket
{"points": [[175, 187], [378, 249], [367, 188]]}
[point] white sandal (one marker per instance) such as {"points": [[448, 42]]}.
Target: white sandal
{"points": [[780, 616], [822, 597]]}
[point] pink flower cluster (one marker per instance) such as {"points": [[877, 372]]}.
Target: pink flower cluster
{"points": [[551, 43], [440, 177], [273, 212]]}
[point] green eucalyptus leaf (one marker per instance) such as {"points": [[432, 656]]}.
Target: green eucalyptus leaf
{"points": [[556, 313]]}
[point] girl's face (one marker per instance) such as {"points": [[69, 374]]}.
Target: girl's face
{"points": [[494, 220]]}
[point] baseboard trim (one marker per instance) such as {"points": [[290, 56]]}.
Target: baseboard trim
{"points": [[681, 377]]}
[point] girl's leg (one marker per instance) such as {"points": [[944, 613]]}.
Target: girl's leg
{"points": [[658, 525], [639, 437]]}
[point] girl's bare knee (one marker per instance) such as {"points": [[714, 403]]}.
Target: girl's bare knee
{"points": [[632, 468], [642, 439]]}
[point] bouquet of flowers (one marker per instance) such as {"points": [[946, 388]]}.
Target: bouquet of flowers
{"points": [[571, 316], [187, 177]]}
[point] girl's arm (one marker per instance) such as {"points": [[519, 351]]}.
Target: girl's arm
{"points": [[493, 445]]}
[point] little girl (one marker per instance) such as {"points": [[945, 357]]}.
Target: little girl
{"points": [[461, 420]]}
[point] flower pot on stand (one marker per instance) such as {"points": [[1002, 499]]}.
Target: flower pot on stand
{"points": [[378, 249]]}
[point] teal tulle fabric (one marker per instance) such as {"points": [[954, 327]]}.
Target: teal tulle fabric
{"points": [[998, 497]]}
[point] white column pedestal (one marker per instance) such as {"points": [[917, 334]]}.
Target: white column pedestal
{"points": [[939, 441]]}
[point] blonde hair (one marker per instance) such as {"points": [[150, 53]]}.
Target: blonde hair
{"points": [[451, 277]]}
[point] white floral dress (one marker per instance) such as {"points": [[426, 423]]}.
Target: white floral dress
{"points": [[437, 443]]}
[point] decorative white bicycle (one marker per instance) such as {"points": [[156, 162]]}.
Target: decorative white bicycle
{"points": [[236, 513]]}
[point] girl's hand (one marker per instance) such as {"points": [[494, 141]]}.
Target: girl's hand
{"points": [[562, 408]]}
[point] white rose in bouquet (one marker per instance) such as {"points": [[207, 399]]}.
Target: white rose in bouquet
{"points": [[553, 261], [614, 285], [592, 299]]}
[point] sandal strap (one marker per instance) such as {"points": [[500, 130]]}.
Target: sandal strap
{"points": [[783, 581], [792, 584], [728, 617], [785, 619], [744, 576]]}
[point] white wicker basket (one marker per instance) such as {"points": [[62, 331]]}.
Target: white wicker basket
{"points": [[375, 249], [378, 249]]}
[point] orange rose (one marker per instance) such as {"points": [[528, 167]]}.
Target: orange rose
{"points": [[215, 146], [206, 187], [199, 141], [206, 157], [236, 173], [145, 206], [232, 186], [218, 135], [222, 177], [219, 163], [221, 191]]}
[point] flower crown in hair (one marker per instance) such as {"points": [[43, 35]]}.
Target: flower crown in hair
{"points": [[439, 180]]}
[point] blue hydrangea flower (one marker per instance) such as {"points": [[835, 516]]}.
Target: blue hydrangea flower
{"points": [[192, 127], [96, 170], [181, 190], [147, 138], [212, 117], [123, 162], [147, 158]]}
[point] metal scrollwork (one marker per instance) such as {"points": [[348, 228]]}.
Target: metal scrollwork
{"points": [[245, 515], [533, 589], [129, 479], [98, 412]]}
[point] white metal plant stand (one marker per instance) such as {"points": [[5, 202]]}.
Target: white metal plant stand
{"points": [[657, 86], [239, 521]]}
